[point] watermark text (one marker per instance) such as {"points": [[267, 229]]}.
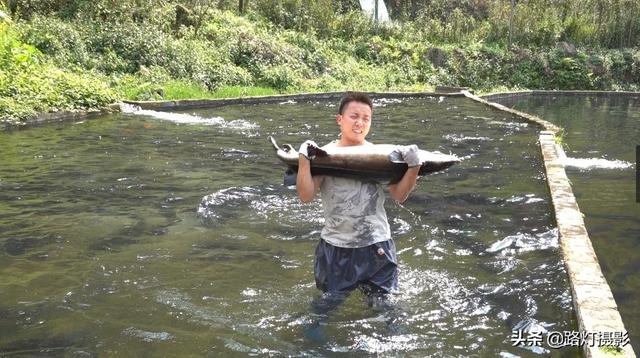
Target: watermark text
{"points": [[559, 339]]}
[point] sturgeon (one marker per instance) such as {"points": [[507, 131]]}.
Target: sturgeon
{"points": [[377, 162]]}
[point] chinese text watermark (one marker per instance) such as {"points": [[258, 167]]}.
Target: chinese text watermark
{"points": [[559, 339]]}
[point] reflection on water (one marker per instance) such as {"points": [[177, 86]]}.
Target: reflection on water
{"points": [[153, 233]]}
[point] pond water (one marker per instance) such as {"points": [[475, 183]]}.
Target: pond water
{"points": [[171, 234], [600, 143]]}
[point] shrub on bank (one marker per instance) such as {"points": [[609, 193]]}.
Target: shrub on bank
{"points": [[92, 60], [31, 83]]}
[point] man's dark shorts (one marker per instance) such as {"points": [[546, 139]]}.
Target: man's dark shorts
{"points": [[340, 269]]}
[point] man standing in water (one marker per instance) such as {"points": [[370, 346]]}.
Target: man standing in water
{"points": [[356, 249]]}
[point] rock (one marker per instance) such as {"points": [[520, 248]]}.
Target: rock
{"points": [[184, 17], [437, 56], [568, 49], [521, 54], [597, 69], [158, 91]]}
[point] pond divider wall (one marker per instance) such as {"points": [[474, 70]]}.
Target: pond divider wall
{"points": [[202, 103], [593, 301], [502, 95], [209, 103]]}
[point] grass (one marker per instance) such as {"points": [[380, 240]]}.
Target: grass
{"points": [[184, 90], [612, 350], [499, 89], [242, 91], [560, 138], [179, 90]]}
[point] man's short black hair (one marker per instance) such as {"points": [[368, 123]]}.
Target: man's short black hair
{"points": [[354, 97]]}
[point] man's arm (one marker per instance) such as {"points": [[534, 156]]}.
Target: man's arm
{"points": [[306, 185], [400, 191]]}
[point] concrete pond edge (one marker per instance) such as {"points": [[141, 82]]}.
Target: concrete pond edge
{"points": [[69, 115], [209, 103], [60, 116], [593, 301]]}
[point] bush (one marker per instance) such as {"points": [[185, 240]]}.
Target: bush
{"points": [[570, 73], [142, 51], [30, 83]]}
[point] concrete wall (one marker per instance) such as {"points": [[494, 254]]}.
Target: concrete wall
{"points": [[60, 116], [204, 103], [593, 301]]}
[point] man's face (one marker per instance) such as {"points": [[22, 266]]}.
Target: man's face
{"points": [[354, 123]]}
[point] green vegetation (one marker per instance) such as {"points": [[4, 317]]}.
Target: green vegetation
{"points": [[31, 83], [74, 54], [612, 350]]}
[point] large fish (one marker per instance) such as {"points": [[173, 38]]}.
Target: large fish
{"points": [[378, 162]]}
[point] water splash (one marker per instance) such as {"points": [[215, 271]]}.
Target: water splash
{"points": [[211, 205], [459, 138], [595, 163], [184, 118], [509, 124], [383, 102], [148, 336], [266, 205], [521, 243]]}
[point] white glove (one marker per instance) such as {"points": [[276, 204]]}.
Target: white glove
{"points": [[410, 154], [304, 149]]}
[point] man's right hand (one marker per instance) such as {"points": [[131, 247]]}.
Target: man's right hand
{"points": [[304, 149]]}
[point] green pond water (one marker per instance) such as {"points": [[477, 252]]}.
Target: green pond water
{"points": [[171, 234], [600, 142]]}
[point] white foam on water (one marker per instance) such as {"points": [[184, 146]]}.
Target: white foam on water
{"points": [[509, 124], [591, 163], [148, 336], [394, 343], [233, 196], [595, 163], [185, 118], [383, 102], [129, 108], [462, 138], [521, 242]]}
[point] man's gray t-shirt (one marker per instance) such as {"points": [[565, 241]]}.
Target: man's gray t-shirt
{"points": [[354, 214]]}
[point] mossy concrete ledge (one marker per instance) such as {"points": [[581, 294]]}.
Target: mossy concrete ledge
{"points": [[593, 302], [59, 116], [552, 93], [531, 118], [210, 103]]}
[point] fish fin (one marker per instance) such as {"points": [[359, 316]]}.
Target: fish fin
{"points": [[395, 156], [290, 177], [314, 152], [287, 148], [273, 142]]}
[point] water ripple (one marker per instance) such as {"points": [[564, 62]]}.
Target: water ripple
{"points": [[268, 206], [521, 243]]}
